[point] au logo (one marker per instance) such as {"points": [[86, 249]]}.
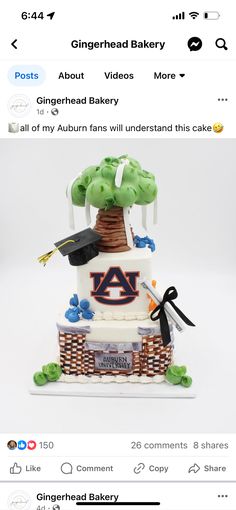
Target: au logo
{"points": [[103, 283]]}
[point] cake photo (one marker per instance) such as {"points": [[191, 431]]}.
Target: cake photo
{"points": [[117, 327]]}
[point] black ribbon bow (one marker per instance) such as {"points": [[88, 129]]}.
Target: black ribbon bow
{"points": [[170, 294]]}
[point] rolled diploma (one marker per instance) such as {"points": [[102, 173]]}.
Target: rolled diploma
{"points": [[157, 298]]}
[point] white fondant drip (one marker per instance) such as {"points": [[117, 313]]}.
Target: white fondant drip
{"points": [[144, 217], [87, 212], [84, 379], [70, 203], [118, 182], [119, 172], [129, 239]]}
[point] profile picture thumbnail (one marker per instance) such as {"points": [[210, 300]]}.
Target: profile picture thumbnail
{"points": [[12, 444]]}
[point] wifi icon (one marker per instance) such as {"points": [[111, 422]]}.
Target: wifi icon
{"points": [[194, 14]]}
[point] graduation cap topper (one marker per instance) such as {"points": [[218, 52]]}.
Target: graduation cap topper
{"points": [[80, 248]]}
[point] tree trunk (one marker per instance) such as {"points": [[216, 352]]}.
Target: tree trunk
{"points": [[111, 226]]}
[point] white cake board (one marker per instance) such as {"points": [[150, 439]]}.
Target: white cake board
{"points": [[114, 390]]}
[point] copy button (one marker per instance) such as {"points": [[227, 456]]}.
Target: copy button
{"points": [[26, 76]]}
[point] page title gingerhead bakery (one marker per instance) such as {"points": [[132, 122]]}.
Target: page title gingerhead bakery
{"points": [[131, 44]]}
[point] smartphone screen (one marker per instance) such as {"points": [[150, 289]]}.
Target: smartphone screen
{"points": [[118, 255]]}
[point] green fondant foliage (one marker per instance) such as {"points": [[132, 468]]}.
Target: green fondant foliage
{"points": [[96, 184], [186, 381], [40, 378], [171, 377], [99, 193], [177, 375], [52, 371], [179, 371], [125, 195]]}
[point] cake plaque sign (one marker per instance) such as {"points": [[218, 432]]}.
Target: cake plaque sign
{"points": [[113, 361]]}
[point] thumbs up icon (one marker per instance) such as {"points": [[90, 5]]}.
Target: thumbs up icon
{"points": [[15, 469]]}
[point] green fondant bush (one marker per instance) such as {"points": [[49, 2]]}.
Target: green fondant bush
{"points": [[50, 373], [40, 378], [96, 184], [177, 375], [186, 381]]}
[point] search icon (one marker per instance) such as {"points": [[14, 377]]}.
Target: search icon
{"points": [[221, 43]]}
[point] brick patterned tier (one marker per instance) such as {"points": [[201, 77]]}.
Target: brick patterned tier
{"points": [[153, 359], [72, 353]]}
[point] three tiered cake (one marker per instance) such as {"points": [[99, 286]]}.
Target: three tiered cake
{"points": [[117, 327]]}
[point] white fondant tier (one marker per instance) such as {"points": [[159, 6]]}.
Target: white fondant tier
{"points": [[110, 282], [111, 331]]}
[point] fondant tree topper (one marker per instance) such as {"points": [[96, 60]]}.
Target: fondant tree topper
{"points": [[113, 187]]}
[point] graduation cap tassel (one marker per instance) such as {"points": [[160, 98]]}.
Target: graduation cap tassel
{"points": [[144, 217], [43, 259]]}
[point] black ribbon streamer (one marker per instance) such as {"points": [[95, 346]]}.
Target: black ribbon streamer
{"points": [[160, 313]]}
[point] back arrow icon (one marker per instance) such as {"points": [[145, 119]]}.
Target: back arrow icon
{"points": [[14, 44]]}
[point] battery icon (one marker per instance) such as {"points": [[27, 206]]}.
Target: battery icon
{"points": [[211, 15]]}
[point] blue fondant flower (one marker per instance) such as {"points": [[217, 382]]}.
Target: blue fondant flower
{"points": [[77, 309], [72, 314], [152, 246], [142, 242], [74, 301], [87, 314], [84, 304]]}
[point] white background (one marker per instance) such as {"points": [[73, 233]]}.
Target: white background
{"points": [[196, 252]]}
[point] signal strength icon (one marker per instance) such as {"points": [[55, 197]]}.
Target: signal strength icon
{"points": [[181, 15], [194, 14]]}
